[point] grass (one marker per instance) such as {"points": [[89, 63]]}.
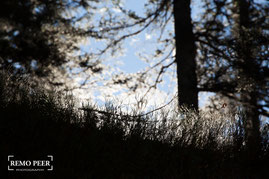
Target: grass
{"points": [[109, 143]]}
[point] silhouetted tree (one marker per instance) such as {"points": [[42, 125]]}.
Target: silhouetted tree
{"points": [[39, 36], [116, 28], [25, 40], [249, 71], [185, 54], [234, 45]]}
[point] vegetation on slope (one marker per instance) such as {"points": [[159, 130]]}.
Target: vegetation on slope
{"points": [[91, 143]]}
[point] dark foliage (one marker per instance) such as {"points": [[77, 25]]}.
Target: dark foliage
{"points": [[24, 39], [113, 145], [233, 40]]}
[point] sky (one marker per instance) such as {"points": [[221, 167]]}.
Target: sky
{"points": [[129, 62]]}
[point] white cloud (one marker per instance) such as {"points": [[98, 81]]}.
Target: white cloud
{"points": [[148, 36], [134, 41], [116, 10], [102, 10]]}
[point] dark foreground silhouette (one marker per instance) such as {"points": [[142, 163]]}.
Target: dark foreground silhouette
{"points": [[105, 145]]}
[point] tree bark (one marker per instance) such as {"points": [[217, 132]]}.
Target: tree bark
{"points": [[246, 65], [185, 55]]}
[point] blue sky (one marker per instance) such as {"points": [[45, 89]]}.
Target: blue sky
{"points": [[130, 62]]}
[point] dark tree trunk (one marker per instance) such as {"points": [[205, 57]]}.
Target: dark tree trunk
{"points": [[185, 55], [247, 69]]}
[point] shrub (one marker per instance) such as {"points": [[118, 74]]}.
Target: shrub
{"points": [[90, 142]]}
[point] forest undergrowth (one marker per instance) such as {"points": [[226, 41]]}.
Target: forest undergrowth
{"points": [[94, 142]]}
